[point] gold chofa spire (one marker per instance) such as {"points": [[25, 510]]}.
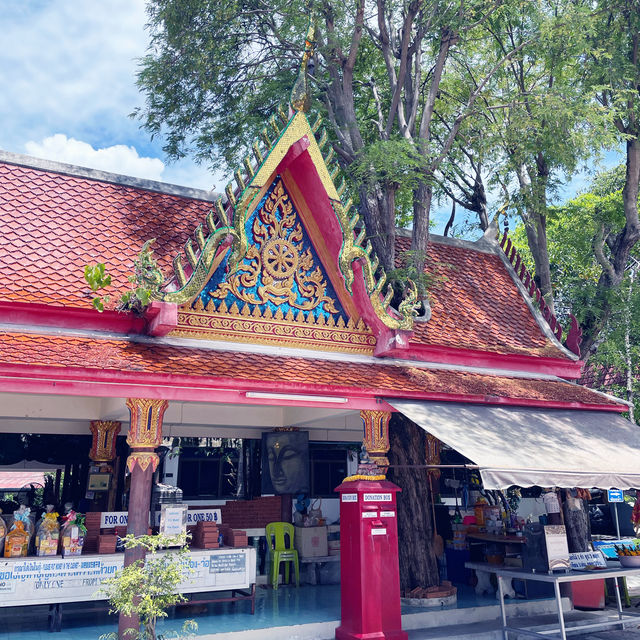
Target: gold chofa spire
{"points": [[301, 94]]}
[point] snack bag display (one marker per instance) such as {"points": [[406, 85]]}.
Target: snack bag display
{"points": [[3, 530], [16, 542], [48, 535], [72, 534]]}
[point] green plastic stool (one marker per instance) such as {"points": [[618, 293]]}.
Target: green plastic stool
{"points": [[280, 551]]}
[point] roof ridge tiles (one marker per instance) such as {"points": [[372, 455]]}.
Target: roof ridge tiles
{"points": [[42, 164]]}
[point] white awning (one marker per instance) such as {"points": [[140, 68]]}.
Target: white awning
{"points": [[526, 447]]}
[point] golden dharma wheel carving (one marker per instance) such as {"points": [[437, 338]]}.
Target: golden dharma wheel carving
{"points": [[280, 258]]}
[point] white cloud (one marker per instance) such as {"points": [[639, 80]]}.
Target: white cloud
{"points": [[67, 71], [116, 159], [189, 174], [70, 66]]}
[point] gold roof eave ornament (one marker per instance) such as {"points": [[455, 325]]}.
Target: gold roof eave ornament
{"points": [[301, 93], [352, 250]]}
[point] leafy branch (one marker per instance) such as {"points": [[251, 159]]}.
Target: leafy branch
{"points": [[147, 278]]}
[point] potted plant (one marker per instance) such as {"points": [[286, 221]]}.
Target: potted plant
{"points": [[147, 588]]}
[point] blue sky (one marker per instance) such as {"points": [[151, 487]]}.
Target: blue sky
{"points": [[67, 71]]}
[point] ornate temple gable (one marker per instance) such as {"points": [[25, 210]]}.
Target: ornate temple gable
{"points": [[247, 256], [279, 293]]}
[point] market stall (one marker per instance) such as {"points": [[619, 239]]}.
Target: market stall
{"points": [[505, 575], [528, 446]]}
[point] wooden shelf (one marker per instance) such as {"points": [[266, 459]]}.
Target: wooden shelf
{"points": [[487, 537]]}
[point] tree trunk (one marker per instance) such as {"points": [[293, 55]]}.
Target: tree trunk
{"points": [[576, 520], [630, 199], [628, 358], [536, 227], [420, 234], [377, 207], [418, 563]]}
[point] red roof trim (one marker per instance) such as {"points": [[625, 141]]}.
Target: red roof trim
{"points": [[159, 319], [563, 368], [44, 315], [31, 314], [78, 381]]}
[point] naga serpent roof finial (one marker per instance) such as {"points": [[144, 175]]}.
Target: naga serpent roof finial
{"points": [[301, 94]]}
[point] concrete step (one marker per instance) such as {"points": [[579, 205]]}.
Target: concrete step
{"points": [[491, 630], [437, 618]]}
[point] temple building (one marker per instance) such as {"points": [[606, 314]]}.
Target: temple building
{"points": [[269, 310]]}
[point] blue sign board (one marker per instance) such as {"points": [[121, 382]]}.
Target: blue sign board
{"points": [[615, 495]]}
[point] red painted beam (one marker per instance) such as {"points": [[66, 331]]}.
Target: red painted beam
{"points": [[567, 369], [159, 319], [44, 315], [115, 384]]}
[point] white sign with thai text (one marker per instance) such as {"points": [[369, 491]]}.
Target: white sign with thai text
{"points": [[377, 497], [582, 559], [49, 580], [349, 497], [370, 514]]}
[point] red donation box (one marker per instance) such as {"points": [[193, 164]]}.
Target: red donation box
{"points": [[370, 589]]}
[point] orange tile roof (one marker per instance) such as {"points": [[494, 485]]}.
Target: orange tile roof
{"points": [[598, 376], [55, 224], [186, 363], [476, 305]]}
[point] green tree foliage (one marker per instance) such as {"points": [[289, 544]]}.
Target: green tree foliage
{"points": [[612, 71], [548, 123], [576, 272], [555, 105], [216, 70]]}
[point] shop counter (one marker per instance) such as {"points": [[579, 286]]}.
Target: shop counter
{"points": [[488, 537], [55, 580], [555, 579]]}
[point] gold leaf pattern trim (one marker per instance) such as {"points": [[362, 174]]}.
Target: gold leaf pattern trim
{"points": [[244, 325]]}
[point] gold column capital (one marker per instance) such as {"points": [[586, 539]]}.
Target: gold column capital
{"points": [[103, 444], [376, 436], [145, 431]]}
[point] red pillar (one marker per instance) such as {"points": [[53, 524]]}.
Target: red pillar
{"points": [[370, 576], [145, 435]]}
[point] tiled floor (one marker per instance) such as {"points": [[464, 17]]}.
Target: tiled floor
{"points": [[286, 606]]}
